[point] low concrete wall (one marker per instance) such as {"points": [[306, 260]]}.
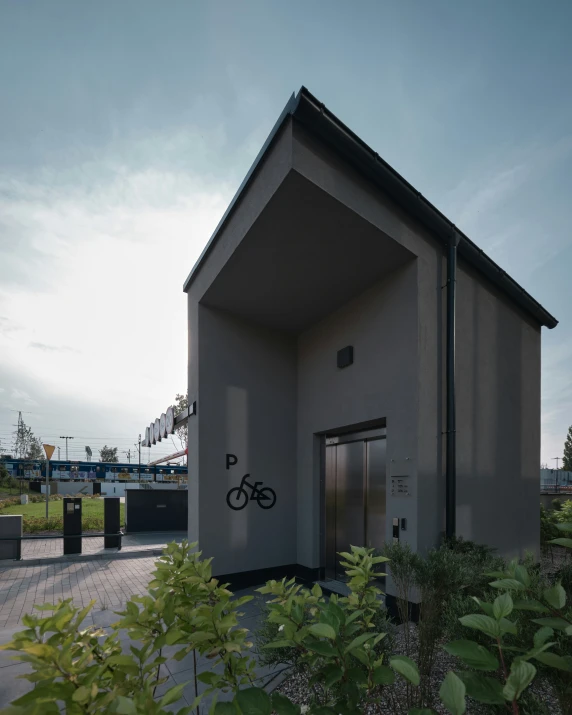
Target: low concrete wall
{"points": [[109, 489], [70, 489], [117, 489], [10, 525]]}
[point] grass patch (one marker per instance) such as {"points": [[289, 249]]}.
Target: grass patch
{"points": [[35, 515]]}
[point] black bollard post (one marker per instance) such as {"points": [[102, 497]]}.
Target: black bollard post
{"points": [[111, 522], [72, 526]]}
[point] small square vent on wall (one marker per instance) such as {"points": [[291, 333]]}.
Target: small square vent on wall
{"points": [[345, 356]]}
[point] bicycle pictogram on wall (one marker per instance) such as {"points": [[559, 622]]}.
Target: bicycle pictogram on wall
{"points": [[238, 497]]}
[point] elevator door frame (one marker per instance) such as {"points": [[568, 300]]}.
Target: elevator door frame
{"points": [[330, 440]]}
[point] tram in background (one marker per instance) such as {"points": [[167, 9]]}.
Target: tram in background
{"points": [[66, 470]]}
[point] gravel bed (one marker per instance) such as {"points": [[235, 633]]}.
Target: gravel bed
{"points": [[296, 687], [554, 560]]}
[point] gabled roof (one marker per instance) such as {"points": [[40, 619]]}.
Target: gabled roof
{"points": [[312, 114]]}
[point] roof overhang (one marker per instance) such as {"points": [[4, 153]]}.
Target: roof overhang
{"points": [[315, 118]]}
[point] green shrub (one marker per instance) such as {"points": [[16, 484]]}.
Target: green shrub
{"points": [[83, 671], [548, 528], [564, 514]]}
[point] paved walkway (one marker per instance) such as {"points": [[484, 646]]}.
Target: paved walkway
{"points": [[51, 548], [111, 583]]}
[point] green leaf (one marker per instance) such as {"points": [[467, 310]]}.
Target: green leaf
{"points": [[383, 675], [357, 675], [502, 606], [521, 574], [331, 674], [173, 635], [202, 636], [561, 541], [555, 661], [486, 607], [321, 647], [507, 626], [521, 675], [322, 630], [564, 527], [38, 649], [508, 584], [542, 635], [254, 701], [555, 596], [529, 605], [452, 694], [173, 694], [120, 660], [405, 667], [472, 654], [124, 706], [225, 709], [482, 688], [558, 623], [485, 624], [81, 695], [280, 644], [281, 705], [360, 640]]}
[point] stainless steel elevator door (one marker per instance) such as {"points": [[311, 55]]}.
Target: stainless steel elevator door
{"points": [[355, 493], [350, 496], [375, 491]]}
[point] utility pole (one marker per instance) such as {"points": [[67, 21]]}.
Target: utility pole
{"points": [[556, 458], [128, 453], [66, 439], [138, 445], [59, 456]]}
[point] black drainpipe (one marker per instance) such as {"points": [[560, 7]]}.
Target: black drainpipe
{"points": [[451, 432]]}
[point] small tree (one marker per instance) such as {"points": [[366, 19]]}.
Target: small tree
{"points": [[567, 460], [182, 432], [35, 450], [108, 454]]}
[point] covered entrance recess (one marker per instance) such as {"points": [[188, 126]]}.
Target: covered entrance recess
{"points": [[355, 494]]}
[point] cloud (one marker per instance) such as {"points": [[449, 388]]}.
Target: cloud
{"points": [[97, 257], [56, 348]]}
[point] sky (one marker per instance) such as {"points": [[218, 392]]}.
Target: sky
{"points": [[126, 128]]}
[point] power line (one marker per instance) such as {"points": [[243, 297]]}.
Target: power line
{"points": [[66, 439]]}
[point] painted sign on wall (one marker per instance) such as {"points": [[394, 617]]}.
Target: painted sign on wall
{"points": [[238, 497]]}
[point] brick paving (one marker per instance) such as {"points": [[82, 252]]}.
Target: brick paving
{"points": [[110, 583], [42, 548]]}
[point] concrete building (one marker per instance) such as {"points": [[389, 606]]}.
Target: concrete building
{"points": [[322, 356]]}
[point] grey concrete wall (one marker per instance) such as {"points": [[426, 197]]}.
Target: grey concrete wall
{"points": [[270, 175], [247, 408], [268, 178], [498, 419], [319, 165], [382, 383], [263, 395]]}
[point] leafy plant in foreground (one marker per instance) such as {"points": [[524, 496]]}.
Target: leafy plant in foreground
{"points": [[336, 639], [513, 668]]}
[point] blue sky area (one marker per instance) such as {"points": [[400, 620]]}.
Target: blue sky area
{"points": [[126, 128]]}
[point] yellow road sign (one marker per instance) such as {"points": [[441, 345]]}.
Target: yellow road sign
{"points": [[49, 450]]}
